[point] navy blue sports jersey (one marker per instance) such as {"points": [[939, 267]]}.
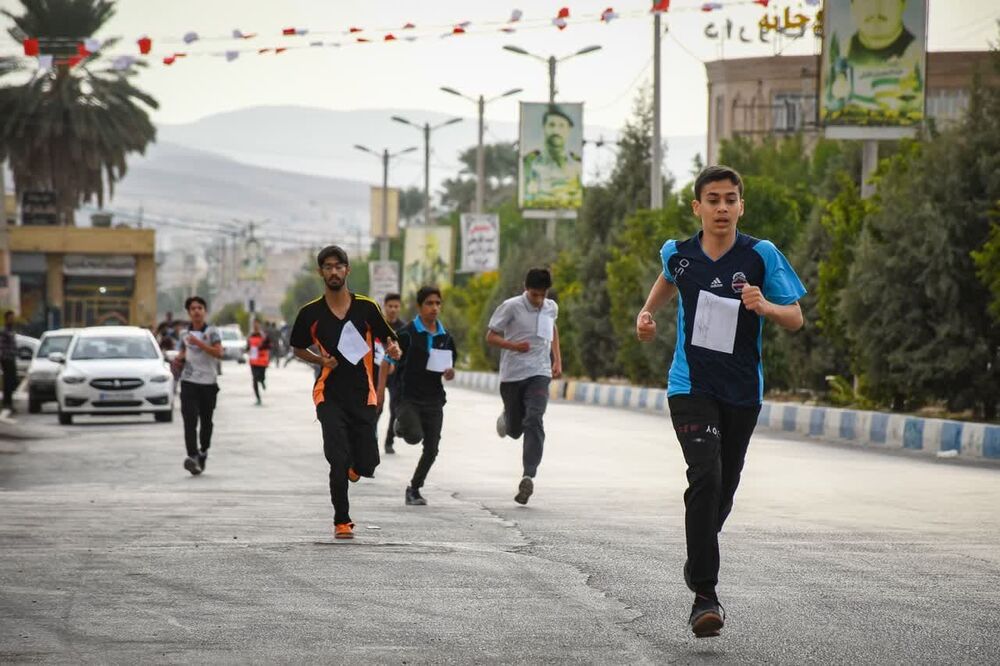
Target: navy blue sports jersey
{"points": [[718, 351]]}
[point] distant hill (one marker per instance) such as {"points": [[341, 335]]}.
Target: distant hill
{"points": [[321, 142]]}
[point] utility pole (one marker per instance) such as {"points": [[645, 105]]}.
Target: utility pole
{"points": [[656, 163], [426, 128], [480, 103], [385, 156]]}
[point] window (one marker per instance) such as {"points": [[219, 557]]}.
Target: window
{"points": [[947, 106], [720, 116], [118, 346], [54, 343], [791, 112]]}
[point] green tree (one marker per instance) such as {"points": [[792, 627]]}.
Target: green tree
{"points": [[500, 168], [232, 313], [307, 286], [71, 129]]}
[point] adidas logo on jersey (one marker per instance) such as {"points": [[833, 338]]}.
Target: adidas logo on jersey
{"points": [[716, 283]]}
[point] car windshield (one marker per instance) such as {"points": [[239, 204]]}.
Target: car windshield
{"points": [[230, 334], [54, 343], [110, 347]]}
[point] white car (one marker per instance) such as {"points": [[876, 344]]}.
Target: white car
{"points": [[26, 348], [114, 370], [234, 345], [42, 372]]}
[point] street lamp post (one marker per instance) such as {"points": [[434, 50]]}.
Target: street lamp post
{"points": [[551, 61], [426, 128], [480, 103], [655, 177], [385, 156]]}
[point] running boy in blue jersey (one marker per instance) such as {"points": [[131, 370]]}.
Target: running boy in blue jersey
{"points": [[729, 283]]}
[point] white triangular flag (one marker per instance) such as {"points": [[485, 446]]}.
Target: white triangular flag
{"points": [[190, 37], [515, 16], [92, 45], [121, 63], [45, 62], [232, 55]]}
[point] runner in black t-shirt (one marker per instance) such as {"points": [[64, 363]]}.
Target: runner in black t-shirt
{"points": [[428, 356], [343, 326]]}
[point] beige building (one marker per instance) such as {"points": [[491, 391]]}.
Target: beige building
{"points": [[74, 276], [776, 95]]}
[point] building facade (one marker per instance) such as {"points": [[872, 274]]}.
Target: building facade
{"points": [[78, 276], [777, 95]]}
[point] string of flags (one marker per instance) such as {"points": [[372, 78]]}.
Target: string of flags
{"points": [[91, 48]]}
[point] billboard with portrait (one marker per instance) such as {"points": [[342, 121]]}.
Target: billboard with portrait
{"points": [[873, 76], [426, 259], [550, 164]]}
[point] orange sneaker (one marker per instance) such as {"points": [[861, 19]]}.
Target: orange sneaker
{"points": [[343, 531], [353, 476]]}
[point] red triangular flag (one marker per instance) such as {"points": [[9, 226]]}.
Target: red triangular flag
{"points": [[260, 51], [288, 31], [354, 30], [81, 50], [31, 47], [180, 55], [362, 40], [390, 37], [409, 26], [458, 30], [280, 49], [762, 3], [563, 13], [169, 60], [75, 60], [662, 6], [145, 45]]}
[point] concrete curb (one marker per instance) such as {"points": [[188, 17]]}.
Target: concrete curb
{"points": [[877, 430]]}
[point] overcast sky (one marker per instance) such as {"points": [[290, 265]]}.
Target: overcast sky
{"points": [[401, 74]]}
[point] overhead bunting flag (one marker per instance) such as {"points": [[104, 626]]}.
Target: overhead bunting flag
{"points": [[145, 45], [662, 6], [92, 45], [169, 60], [315, 44], [75, 60], [190, 37], [409, 26], [280, 49], [762, 3], [563, 13], [390, 38], [45, 63], [232, 55], [263, 51], [711, 6], [82, 50], [458, 30], [609, 15], [352, 31], [31, 47], [239, 34], [121, 63], [515, 16], [288, 31]]}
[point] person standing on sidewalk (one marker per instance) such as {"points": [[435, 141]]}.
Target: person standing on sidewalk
{"points": [[343, 327], [8, 360], [259, 353], [428, 355], [728, 283], [391, 305], [524, 328], [200, 351]]}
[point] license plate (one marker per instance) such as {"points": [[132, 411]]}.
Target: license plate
{"points": [[116, 396]]}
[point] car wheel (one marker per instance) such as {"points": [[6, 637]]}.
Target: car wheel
{"points": [[34, 405], [65, 419], [164, 417]]}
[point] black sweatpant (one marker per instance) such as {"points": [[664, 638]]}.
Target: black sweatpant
{"points": [[198, 403], [714, 437], [9, 382], [524, 404], [259, 374], [390, 434], [421, 422], [349, 440]]}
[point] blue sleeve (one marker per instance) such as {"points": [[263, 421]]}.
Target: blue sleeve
{"points": [[668, 250], [781, 285]]}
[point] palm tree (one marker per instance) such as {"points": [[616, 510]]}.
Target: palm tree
{"points": [[69, 129]]}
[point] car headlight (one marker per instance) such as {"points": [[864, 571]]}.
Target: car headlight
{"points": [[73, 379], [159, 379]]}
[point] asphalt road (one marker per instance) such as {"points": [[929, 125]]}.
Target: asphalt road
{"points": [[112, 553]]}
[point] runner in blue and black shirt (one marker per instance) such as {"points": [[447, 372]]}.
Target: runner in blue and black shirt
{"points": [[728, 283]]}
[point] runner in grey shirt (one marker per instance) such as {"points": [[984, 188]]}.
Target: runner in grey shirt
{"points": [[524, 328], [200, 350]]}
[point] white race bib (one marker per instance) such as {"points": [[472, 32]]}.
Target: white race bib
{"points": [[546, 326], [440, 360], [715, 322], [352, 346]]}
